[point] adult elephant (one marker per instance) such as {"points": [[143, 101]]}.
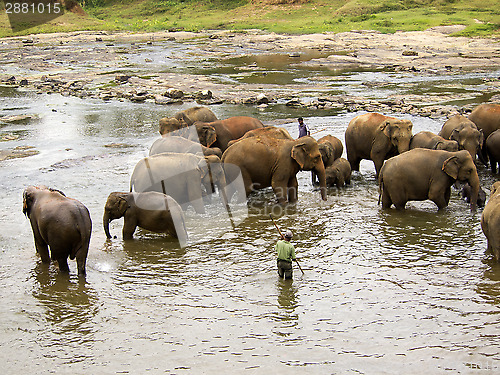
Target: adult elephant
{"points": [[186, 118], [180, 175], [266, 131], [219, 133], [152, 211], [490, 221], [462, 130], [422, 174], [181, 144], [493, 149], [266, 161], [60, 223], [331, 149], [426, 139], [487, 118], [376, 137]]}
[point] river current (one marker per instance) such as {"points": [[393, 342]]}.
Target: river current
{"points": [[383, 292]]}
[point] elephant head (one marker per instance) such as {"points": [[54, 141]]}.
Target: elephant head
{"points": [[399, 133], [171, 126], [461, 167], [206, 133], [327, 153], [212, 174], [305, 151], [115, 208], [446, 145], [468, 137]]}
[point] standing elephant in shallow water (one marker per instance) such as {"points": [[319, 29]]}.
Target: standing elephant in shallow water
{"points": [[186, 118], [182, 176], [422, 174], [220, 133], [460, 129], [426, 139], [183, 145], [331, 149], [265, 161], [487, 119], [490, 221], [152, 211], [339, 173], [493, 149], [60, 223], [376, 137]]}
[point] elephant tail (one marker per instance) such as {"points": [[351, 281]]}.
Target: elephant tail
{"points": [[85, 228]]}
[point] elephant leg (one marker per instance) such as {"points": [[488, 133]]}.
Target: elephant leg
{"points": [[63, 264], [129, 226], [353, 161], [439, 197], [280, 189], [81, 261], [378, 165], [43, 250], [293, 188]]}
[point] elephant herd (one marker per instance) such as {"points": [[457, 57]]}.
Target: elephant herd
{"points": [[198, 154]]}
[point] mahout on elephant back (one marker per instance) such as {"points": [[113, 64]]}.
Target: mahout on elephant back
{"points": [[60, 223], [422, 174], [153, 211], [490, 221], [376, 137]]}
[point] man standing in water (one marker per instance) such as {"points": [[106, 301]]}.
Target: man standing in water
{"points": [[303, 131], [286, 253]]}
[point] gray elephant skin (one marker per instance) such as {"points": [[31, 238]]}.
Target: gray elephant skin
{"points": [[152, 211], [462, 130], [426, 139], [219, 133], [180, 175], [267, 161], [376, 137], [422, 174], [487, 118], [186, 118], [338, 174], [60, 223], [181, 144], [490, 221], [493, 150]]}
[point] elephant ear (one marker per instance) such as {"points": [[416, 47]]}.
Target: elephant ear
{"points": [[451, 167], [385, 128], [326, 150], [299, 154], [207, 135], [27, 203], [455, 135]]}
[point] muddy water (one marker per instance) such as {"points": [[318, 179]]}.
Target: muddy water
{"points": [[382, 291]]}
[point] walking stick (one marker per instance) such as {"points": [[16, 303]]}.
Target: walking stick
{"points": [[283, 237]]}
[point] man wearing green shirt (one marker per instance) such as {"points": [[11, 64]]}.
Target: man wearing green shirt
{"points": [[286, 253]]}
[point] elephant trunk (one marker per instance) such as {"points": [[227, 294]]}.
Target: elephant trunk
{"points": [[404, 145], [475, 185], [320, 172], [106, 220]]}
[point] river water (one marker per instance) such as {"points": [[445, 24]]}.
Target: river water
{"points": [[383, 292]]}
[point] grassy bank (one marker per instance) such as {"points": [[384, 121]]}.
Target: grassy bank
{"points": [[482, 17]]}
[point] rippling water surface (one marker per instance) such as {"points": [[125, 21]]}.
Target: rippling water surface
{"points": [[383, 292]]}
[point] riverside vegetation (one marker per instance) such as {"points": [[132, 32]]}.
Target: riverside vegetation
{"points": [[481, 17]]}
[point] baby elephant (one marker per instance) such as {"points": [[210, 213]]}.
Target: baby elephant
{"points": [[425, 139], [466, 194], [339, 173], [490, 221], [421, 174], [153, 211], [58, 222]]}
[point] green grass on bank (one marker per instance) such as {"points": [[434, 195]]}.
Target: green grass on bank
{"points": [[482, 17]]}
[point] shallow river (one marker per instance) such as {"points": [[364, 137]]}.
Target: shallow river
{"points": [[383, 292]]}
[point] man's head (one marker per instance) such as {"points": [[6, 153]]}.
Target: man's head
{"points": [[288, 235], [300, 120]]}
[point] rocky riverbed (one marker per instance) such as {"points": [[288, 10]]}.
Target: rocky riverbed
{"points": [[103, 65]]}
